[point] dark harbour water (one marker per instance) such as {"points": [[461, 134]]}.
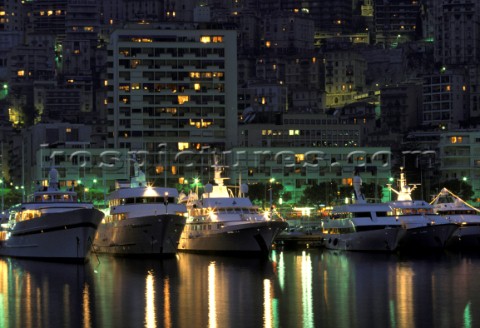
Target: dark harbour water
{"points": [[304, 288]]}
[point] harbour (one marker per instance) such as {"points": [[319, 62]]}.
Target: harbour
{"points": [[302, 288]]}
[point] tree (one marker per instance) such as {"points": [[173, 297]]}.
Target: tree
{"points": [[460, 188], [260, 192]]}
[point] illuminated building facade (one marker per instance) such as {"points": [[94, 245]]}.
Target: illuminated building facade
{"points": [[460, 158], [344, 77], [172, 85], [298, 167]]}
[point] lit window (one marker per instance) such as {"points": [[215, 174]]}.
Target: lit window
{"points": [[264, 101], [88, 28], [268, 44], [50, 12], [464, 88], [70, 81], [21, 73], [76, 51], [182, 99], [183, 145], [218, 39], [205, 39], [105, 83], [196, 86], [68, 130], [448, 88]]}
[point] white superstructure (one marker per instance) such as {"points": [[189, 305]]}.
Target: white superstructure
{"points": [[464, 215], [362, 226]]}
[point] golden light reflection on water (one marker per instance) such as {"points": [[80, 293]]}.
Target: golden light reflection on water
{"points": [[307, 293], [166, 301], [87, 317], [150, 319], [404, 296], [267, 304], [212, 306], [28, 302]]}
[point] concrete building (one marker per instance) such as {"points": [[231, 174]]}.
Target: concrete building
{"points": [[445, 98], [173, 85], [298, 167], [401, 107], [302, 130], [395, 21], [344, 77], [457, 31], [459, 153], [68, 147]]}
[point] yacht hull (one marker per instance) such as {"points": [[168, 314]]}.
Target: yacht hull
{"points": [[152, 235], [242, 238], [465, 237], [61, 236], [427, 237], [385, 240]]}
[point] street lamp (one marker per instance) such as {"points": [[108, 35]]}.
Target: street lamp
{"points": [[165, 201], [271, 196]]}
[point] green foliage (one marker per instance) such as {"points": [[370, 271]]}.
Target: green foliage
{"points": [[460, 188], [260, 192]]}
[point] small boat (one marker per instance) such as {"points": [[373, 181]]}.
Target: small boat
{"points": [[362, 226], [464, 215], [52, 225], [141, 220], [222, 223], [425, 229]]}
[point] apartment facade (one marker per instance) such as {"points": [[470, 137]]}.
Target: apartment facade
{"points": [[171, 87]]}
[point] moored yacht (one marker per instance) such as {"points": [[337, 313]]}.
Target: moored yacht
{"points": [[141, 220], [425, 229], [362, 226], [52, 225], [464, 215], [220, 222]]}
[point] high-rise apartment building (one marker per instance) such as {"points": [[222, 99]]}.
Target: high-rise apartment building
{"points": [[457, 32], [172, 85], [445, 98], [395, 21]]}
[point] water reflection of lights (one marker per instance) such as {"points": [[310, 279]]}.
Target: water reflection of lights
{"points": [[281, 271], [404, 292], [166, 299], [267, 304], [467, 316], [150, 301], [87, 319], [307, 293], [212, 306]]}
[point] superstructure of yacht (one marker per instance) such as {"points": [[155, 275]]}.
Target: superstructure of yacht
{"points": [[464, 215], [222, 223], [52, 225], [362, 226], [141, 220], [425, 229]]}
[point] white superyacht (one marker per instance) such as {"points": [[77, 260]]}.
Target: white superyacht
{"points": [[141, 220], [220, 222], [362, 226], [52, 225], [464, 215], [425, 229]]}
